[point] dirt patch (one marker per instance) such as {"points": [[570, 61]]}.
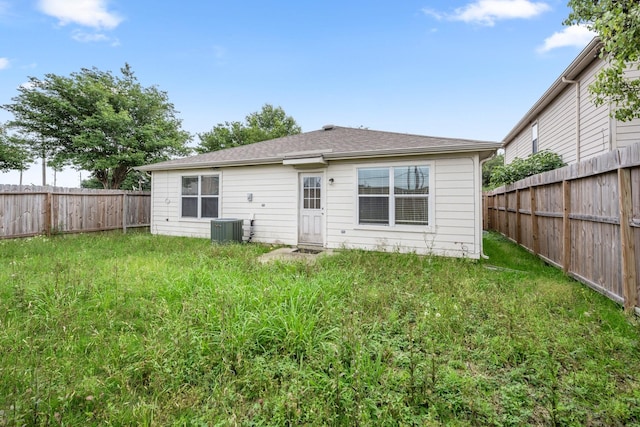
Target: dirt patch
{"points": [[294, 254]]}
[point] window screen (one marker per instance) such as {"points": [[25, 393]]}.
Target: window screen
{"points": [[200, 196], [393, 195]]}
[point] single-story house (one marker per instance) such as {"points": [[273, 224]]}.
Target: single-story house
{"points": [[337, 187], [566, 121]]}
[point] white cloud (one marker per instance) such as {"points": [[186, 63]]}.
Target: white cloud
{"points": [[4, 63], [83, 37], [433, 13], [88, 13], [487, 12], [574, 36]]}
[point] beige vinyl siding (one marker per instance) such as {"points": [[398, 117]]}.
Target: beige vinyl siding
{"points": [[598, 132], [556, 130], [453, 188], [454, 195], [628, 133], [165, 206], [274, 206], [594, 121], [166, 202], [557, 126], [519, 147]]}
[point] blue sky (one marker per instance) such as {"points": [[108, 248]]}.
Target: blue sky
{"points": [[466, 68]]}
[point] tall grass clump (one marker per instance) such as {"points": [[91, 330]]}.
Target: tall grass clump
{"points": [[139, 329]]}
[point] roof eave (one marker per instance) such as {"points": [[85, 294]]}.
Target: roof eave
{"points": [[584, 59], [479, 147], [202, 165]]}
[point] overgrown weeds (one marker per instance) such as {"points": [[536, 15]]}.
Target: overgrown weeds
{"points": [[153, 330]]}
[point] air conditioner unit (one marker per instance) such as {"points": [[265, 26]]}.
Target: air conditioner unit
{"points": [[224, 230]]}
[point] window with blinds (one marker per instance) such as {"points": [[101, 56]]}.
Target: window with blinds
{"points": [[393, 195], [200, 196]]}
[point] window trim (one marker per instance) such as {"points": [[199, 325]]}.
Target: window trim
{"points": [[429, 227], [535, 142], [199, 197]]}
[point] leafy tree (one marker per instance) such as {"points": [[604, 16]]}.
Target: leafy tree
{"points": [[519, 169], [13, 154], [489, 166], [617, 23], [99, 122], [135, 180], [268, 123]]}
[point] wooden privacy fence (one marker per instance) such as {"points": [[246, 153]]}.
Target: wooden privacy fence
{"points": [[583, 218], [31, 210]]}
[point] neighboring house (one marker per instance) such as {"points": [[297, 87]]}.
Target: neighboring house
{"points": [[333, 188], [566, 121]]}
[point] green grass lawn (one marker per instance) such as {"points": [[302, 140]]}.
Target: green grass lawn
{"points": [[151, 330]]}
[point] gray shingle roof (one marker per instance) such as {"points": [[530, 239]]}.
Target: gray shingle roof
{"points": [[331, 142]]}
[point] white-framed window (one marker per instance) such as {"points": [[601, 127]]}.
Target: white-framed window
{"points": [[200, 196], [394, 195], [534, 138]]}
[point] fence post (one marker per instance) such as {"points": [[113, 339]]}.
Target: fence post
{"points": [[566, 226], [534, 221], [485, 212], [489, 211], [48, 211], [125, 208], [493, 221], [627, 246], [494, 213], [518, 217], [506, 215]]}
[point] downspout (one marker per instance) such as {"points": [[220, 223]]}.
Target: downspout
{"points": [[482, 162], [577, 83]]}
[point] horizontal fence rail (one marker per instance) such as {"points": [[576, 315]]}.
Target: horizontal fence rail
{"points": [[32, 210], [583, 218]]}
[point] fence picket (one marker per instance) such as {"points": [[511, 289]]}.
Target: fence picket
{"points": [[584, 218], [32, 210]]}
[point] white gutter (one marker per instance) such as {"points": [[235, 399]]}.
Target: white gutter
{"points": [[482, 254]]}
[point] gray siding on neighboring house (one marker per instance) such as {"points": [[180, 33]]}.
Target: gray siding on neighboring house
{"points": [[557, 126], [594, 121], [627, 133], [519, 147], [559, 119]]}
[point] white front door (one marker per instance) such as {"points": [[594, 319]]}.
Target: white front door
{"points": [[311, 209]]}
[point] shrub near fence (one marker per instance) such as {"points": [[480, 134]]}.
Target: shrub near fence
{"points": [[584, 218], [32, 210]]}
